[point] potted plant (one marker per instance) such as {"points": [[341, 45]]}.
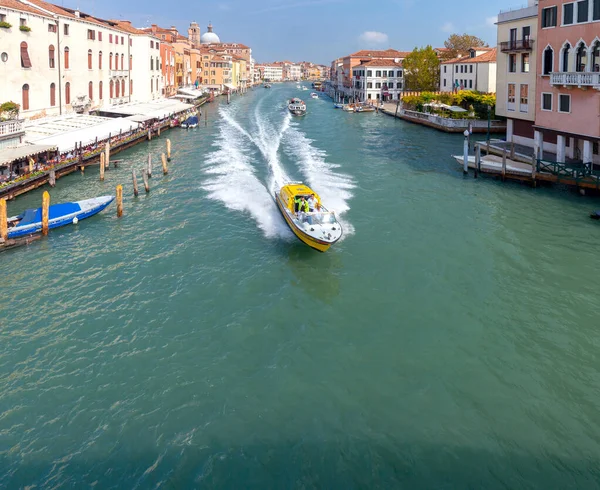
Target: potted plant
{"points": [[5, 25], [25, 28]]}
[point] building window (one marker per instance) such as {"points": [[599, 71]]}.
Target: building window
{"points": [[25, 60], [91, 90], [526, 35], [596, 10], [130, 87], [524, 99], [99, 35], [581, 57], [157, 84], [566, 50], [25, 97], [471, 83], [378, 73], [52, 95], [564, 103], [51, 60], [512, 63], [130, 62], [583, 9], [67, 59], [461, 68], [110, 38], [369, 84], [511, 96], [111, 89], [100, 91], [444, 68], [151, 44], [399, 73], [100, 60], [151, 63], [110, 61], [89, 59], [51, 27], [91, 35], [549, 17], [122, 61], [470, 68], [567, 14], [66, 29], [546, 101], [444, 81], [369, 73], [548, 60], [151, 86], [122, 40], [67, 93], [117, 88], [123, 87], [525, 62], [596, 55], [378, 85]]}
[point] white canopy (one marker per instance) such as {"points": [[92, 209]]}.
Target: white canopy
{"points": [[230, 87], [66, 141], [8, 155], [157, 109], [192, 92]]}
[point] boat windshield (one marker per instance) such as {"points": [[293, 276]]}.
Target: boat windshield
{"points": [[317, 218]]}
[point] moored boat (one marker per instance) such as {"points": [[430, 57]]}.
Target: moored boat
{"points": [[267, 85], [318, 228], [297, 107], [190, 122], [30, 221], [338, 105]]}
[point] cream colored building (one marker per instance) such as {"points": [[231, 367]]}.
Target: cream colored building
{"points": [[55, 60], [516, 74], [475, 71]]}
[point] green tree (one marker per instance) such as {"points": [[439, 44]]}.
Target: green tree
{"points": [[459, 44], [422, 70]]}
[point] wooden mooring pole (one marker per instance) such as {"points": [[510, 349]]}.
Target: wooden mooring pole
{"points": [[45, 212], [477, 160], [107, 154], [101, 166], [164, 164], [145, 177], [168, 150], [135, 186], [503, 164], [3, 220], [119, 201], [533, 170], [52, 178], [512, 150], [149, 168]]}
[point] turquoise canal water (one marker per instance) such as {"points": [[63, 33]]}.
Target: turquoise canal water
{"points": [[449, 341]]}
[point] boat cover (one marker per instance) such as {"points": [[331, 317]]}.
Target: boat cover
{"points": [[191, 120], [56, 211]]}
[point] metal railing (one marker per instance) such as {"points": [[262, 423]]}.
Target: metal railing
{"points": [[516, 45], [580, 79], [118, 73], [11, 127]]}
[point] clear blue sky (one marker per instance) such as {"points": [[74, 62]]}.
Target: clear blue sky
{"points": [[314, 30]]}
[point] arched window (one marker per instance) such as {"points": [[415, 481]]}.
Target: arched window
{"points": [[111, 87], [91, 90], [52, 95], [566, 51], [122, 62], [151, 85], [67, 93], [110, 61], [25, 97], [25, 59], [130, 87], [66, 59], [157, 84], [548, 60], [581, 57], [151, 63], [123, 87], [117, 85], [89, 59], [100, 60], [100, 91], [130, 61], [51, 62], [116, 61], [596, 57]]}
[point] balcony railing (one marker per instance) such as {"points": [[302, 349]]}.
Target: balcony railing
{"points": [[578, 79], [11, 127], [118, 73], [517, 45]]}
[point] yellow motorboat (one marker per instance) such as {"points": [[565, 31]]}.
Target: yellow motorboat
{"points": [[318, 228]]}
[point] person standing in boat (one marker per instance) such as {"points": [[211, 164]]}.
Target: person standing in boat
{"points": [[312, 203]]}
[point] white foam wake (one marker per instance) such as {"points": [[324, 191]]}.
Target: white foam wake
{"points": [[323, 177], [232, 180]]}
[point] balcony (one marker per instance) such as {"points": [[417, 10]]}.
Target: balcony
{"points": [[517, 46], [576, 79], [118, 73], [11, 127]]}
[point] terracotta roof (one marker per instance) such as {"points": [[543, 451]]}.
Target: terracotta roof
{"points": [[382, 63], [126, 26], [15, 5], [387, 53], [487, 57]]}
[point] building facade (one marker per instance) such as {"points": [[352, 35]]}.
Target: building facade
{"points": [[55, 60], [567, 112], [273, 72], [475, 71], [517, 72], [378, 81]]}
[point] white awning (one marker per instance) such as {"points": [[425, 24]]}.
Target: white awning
{"points": [[230, 87], [8, 155], [183, 97], [192, 92]]}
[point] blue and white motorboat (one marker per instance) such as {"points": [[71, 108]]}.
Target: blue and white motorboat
{"points": [[337, 105], [30, 220], [190, 122]]}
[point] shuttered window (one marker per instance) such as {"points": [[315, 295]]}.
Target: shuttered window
{"points": [[25, 60], [100, 91], [51, 62], [117, 86], [89, 59], [66, 59], [67, 93], [91, 90], [52, 95], [25, 97], [123, 87], [111, 85], [100, 60]]}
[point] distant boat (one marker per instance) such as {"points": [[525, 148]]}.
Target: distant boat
{"points": [[337, 105], [30, 221], [190, 122], [314, 95], [267, 85]]}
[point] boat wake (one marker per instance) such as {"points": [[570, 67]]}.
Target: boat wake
{"points": [[232, 179], [334, 187]]}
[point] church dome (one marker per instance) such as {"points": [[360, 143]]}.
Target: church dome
{"points": [[209, 37]]}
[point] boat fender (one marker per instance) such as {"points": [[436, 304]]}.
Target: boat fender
{"points": [[75, 220]]}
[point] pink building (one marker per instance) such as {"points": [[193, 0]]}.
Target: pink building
{"points": [[567, 117]]}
